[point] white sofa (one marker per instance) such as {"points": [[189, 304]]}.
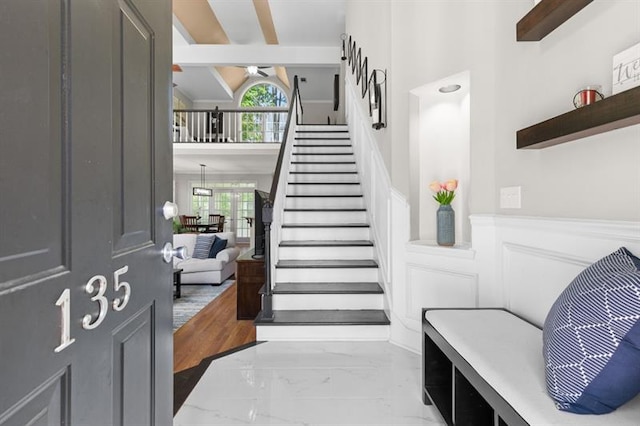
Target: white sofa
{"points": [[206, 271]]}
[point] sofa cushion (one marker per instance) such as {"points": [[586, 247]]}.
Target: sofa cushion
{"points": [[203, 245], [229, 236], [201, 265], [218, 245], [229, 254], [591, 338]]}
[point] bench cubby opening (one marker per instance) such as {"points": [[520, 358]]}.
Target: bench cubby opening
{"points": [[437, 380], [470, 408]]}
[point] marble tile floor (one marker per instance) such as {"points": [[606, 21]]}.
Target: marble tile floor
{"points": [[311, 383]]}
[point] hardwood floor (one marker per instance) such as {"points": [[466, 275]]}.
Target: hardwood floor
{"points": [[211, 331]]}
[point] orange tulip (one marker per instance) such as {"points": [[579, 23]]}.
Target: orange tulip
{"points": [[435, 186], [451, 184]]}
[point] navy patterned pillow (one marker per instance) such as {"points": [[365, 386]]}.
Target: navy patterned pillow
{"points": [[218, 245], [591, 337], [203, 245]]}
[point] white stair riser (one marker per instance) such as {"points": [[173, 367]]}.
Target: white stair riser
{"points": [[325, 275], [323, 158], [325, 234], [325, 253], [303, 302], [347, 149], [316, 129], [326, 141], [325, 217], [322, 333], [324, 203], [332, 189], [346, 167], [324, 177]]}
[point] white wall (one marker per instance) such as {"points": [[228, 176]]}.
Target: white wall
{"points": [[514, 85], [369, 25], [316, 112]]}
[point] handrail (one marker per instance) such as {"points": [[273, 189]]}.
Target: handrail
{"points": [[267, 209], [252, 109], [295, 101]]}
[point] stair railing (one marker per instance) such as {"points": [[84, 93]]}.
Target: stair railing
{"points": [[272, 204], [230, 125]]}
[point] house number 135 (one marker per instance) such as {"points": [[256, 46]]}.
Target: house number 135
{"points": [[96, 287]]}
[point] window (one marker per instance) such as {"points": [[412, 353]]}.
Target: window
{"points": [[263, 127]]}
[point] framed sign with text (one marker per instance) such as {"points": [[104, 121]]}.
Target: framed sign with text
{"points": [[626, 69]]}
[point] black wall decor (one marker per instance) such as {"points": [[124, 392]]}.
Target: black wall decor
{"points": [[374, 84]]}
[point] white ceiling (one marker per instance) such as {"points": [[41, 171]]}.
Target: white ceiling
{"points": [[201, 83], [308, 23], [306, 26]]}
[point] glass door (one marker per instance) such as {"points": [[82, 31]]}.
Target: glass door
{"points": [[233, 200], [236, 205]]}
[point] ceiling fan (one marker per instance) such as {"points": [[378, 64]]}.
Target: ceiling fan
{"points": [[253, 70]]}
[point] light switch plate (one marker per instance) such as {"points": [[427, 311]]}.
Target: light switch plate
{"points": [[510, 197]]}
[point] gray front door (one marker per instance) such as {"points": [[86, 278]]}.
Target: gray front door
{"points": [[85, 166]]}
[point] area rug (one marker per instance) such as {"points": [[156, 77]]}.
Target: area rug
{"points": [[193, 299]]}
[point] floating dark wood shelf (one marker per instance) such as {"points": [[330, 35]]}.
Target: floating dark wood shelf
{"points": [[614, 112], [546, 16]]}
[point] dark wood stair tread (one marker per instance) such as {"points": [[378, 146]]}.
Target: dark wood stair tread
{"points": [[325, 173], [325, 225], [322, 153], [325, 210], [327, 243], [324, 146], [325, 195], [323, 183], [323, 162], [327, 288], [326, 317], [327, 264], [322, 131], [310, 138]]}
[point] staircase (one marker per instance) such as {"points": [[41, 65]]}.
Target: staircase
{"points": [[326, 276]]}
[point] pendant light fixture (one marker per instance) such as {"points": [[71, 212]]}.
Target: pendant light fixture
{"points": [[202, 190]]}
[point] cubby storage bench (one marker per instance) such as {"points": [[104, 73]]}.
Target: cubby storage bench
{"points": [[485, 367]]}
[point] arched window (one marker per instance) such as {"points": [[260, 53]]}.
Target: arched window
{"points": [[265, 125], [263, 95]]}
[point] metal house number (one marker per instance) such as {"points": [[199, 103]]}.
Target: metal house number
{"points": [[96, 287]]}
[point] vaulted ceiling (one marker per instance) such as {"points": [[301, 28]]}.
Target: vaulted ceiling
{"points": [[214, 41]]}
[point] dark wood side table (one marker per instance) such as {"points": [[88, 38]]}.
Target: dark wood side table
{"points": [[177, 281], [249, 280]]}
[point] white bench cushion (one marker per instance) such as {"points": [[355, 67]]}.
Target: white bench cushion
{"points": [[507, 353], [200, 265]]}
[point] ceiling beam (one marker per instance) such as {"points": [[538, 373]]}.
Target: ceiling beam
{"points": [[213, 54]]}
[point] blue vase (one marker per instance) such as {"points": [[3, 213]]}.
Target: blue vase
{"points": [[446, 221]]}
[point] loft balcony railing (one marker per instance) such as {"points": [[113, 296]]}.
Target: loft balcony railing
{"points": [[244, 125]]}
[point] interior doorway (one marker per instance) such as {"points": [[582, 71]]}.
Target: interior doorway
{"points": [[233, 200]]}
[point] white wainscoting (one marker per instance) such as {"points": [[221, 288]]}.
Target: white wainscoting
{"points": [[519, 263], [529, 260], [376, 186]]}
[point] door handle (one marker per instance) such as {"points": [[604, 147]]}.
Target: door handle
{"points": [[168, 253], [169, 210]]}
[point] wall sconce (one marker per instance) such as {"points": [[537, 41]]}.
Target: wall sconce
{"points": [[343, 54], [377, 98]]}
